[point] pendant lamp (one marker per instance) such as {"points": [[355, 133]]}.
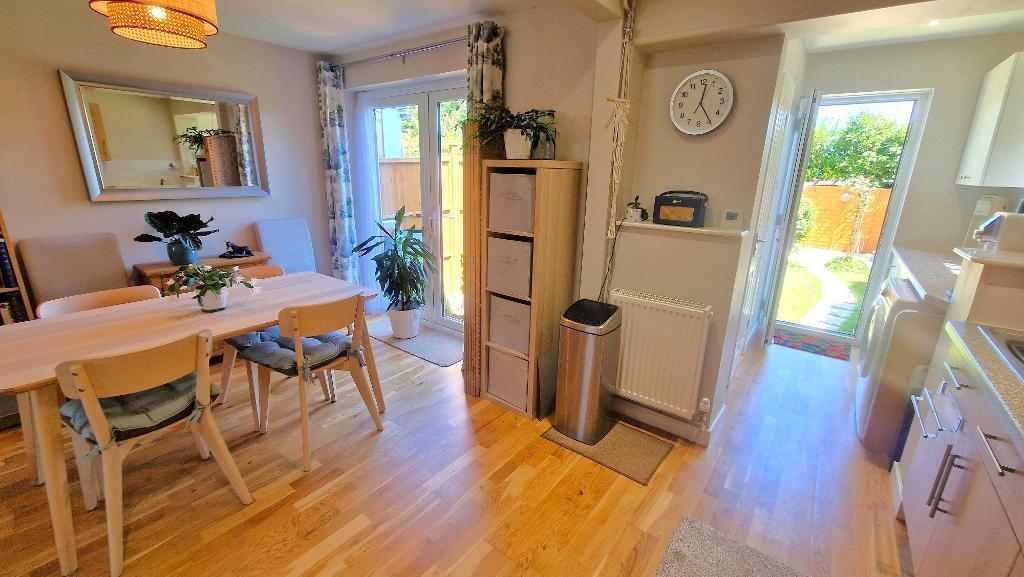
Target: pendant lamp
{"points": [[174, 23]]}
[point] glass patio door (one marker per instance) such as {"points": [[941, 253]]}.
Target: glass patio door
{"points": [[416, 143]]}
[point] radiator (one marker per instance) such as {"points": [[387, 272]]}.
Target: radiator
{"points": [[662, 351]]}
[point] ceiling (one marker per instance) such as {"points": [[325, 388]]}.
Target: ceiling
{"points": [[910, 23], [344, 26]]}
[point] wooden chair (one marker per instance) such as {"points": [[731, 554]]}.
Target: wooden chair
{"points": [[146, 393], [232, 346], [313, 334], [63, 306]]}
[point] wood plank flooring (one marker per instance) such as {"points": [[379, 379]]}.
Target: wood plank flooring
{"points": [[455, 486]]}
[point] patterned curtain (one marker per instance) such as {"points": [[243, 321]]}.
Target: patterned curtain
{"points": [[336, 168], [485, 72]]}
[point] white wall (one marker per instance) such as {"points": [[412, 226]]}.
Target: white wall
{"points": [[937, 211], [42, 191]]}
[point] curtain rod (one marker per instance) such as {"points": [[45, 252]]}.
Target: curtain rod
{"points": [[403, 53]]}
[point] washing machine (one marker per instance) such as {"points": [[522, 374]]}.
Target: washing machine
{"points": [[895, 350]]}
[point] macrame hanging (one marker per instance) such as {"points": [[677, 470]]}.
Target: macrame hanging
{"points": [[619, 120]]}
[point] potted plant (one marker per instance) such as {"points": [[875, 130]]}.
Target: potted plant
{"points": [[635, 212], [195, 139], [182, 234], [209, 285], [402, 266], [523, 133]]}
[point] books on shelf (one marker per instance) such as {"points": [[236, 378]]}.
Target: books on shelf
{"points": [[6, 316], [7, 276], [12, 310]]}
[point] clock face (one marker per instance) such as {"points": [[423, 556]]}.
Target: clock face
{"points": [[701, 102]]}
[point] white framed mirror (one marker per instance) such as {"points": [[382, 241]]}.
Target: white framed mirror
{"points": [[151, 141]]}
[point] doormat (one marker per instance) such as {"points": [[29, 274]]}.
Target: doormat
{"points": [[699, 550], [436, 345], [626, 450], [812, 344]]}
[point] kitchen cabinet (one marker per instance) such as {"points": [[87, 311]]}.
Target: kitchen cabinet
{"points": [[958, 515], [994, 153]]}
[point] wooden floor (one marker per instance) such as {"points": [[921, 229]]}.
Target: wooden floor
{"points": [[457, 486]]}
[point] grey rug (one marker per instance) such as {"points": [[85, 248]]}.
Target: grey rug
{"points": [[697, 550], [434, 344], [626, 450]]}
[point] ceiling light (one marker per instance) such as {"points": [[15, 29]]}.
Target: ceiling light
{"points": [[174, 23], [934, 23]]}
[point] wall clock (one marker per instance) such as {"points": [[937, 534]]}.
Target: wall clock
{"points": [[701, 102]]}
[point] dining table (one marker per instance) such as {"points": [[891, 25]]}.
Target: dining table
{"points": [[30, 352]]}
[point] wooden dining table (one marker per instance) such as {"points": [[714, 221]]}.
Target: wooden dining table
{"points": [[30, 351]]}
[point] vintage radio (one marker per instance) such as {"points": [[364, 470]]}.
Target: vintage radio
{"points": [[680, 208]]}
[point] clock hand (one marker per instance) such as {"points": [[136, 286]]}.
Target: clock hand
{"points": [[702, 95], [705, 111]]}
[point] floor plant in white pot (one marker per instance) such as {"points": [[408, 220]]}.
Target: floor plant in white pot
{"points": [[403, 264]]}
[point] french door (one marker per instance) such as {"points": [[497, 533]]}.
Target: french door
{"points": [[412, 146]]}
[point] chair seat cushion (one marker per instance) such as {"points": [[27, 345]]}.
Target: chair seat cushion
{"points": [[139, 413], [278, 353], [249, 339]]}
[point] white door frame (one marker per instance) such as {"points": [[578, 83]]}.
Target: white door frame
{"points": [[426, 96], [908, 158]]}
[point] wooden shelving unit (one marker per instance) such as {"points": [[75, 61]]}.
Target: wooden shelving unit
{"points": [[552, 243], [19, 291]]}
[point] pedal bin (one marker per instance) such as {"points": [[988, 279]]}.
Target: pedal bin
{"points": [[588, 362]]}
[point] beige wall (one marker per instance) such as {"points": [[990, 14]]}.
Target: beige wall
{"points": [[136, 127], [937, 211], [42, 191]]}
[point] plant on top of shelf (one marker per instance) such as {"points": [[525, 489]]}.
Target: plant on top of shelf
{"points": [[402, 267], [522, 132], [635, 212], [193, 137], [182, 234]]}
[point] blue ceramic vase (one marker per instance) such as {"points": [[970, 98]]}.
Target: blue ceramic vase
{"points": [[180, 254]]}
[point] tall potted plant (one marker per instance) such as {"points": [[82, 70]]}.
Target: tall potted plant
{"points": [[402, 266], [182, 234], [523, 133]]}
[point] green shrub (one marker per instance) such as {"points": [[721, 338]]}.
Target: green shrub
{"points": [[847, 263], [806, 219]]}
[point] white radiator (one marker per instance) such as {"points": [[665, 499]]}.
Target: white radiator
{"points": [[662, 351]]}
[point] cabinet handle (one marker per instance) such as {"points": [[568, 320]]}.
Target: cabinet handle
{"points": [[914, 399], [931, 407], [938, 475], [952, 371], [950, 463], [1001, 469]]}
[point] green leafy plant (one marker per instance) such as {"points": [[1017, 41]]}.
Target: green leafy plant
{"points": [[201, 279], [635, 203], [806, 219], [193, 137], [867, 146], [494, 119], [847, 263], [402, 264], [187, 230]]}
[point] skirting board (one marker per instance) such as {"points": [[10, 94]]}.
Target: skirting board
{"points": [[664, 422]]}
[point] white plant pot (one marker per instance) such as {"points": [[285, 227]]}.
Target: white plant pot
{"points": [[517, 145], [214, 301], [634, 215], [404, 324]]}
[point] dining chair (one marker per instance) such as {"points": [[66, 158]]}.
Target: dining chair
{"points": [[236, 343], [63, 306], [288, 240], [60, 266], [116, 402], [309, 341]]}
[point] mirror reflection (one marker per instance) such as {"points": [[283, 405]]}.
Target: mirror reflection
{"points": [[144, 140]]}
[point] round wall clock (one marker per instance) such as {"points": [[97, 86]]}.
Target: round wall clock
{"points": [[701, 102]]}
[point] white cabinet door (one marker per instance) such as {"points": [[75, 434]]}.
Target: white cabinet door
{"points": [[992, 154]]}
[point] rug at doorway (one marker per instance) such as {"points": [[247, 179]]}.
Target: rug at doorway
{"points": [[812, 344], [626, 450], [440, 346], [698, 550]]}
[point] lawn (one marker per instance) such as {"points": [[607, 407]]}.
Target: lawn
{"points": [[801, 290], [854, 272]]}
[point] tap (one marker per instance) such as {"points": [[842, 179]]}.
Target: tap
{"points": [[163, 181]]}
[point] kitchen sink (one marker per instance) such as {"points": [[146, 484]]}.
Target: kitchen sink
{"points": [[1010, 346], [1016, 349]]}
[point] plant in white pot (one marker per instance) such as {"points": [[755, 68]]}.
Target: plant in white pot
{"points": [[403, 263], [532, 131], [208, 286]]}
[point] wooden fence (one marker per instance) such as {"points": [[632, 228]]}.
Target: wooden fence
{"points": [[836, 214]]}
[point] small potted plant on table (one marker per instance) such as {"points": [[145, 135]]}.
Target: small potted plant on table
{"points": [[209, 285], [182, 234], [529, 134], [402, 264]]}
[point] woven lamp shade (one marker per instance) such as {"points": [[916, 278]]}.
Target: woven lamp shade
{"points": [[174, 23]]}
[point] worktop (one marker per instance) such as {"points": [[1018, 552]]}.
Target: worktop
{"points": [[932, 273], [1005, 387], [1004, 258]]}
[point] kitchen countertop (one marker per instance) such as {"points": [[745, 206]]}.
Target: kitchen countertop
{"points": [[1007, 258], [1007, 387], [932, 273]]}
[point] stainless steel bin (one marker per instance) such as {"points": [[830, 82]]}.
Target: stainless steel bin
{"points": [[588, 362]]}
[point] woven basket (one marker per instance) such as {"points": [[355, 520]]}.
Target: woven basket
{"points": [[222, 154]]}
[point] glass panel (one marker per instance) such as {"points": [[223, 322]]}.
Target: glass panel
{"points": [[451, 115], [855, 154], [398, 163]]}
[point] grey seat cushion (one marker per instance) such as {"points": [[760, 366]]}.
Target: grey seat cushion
{"points": [[270, 349], [139, 413], [249, 339]]}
